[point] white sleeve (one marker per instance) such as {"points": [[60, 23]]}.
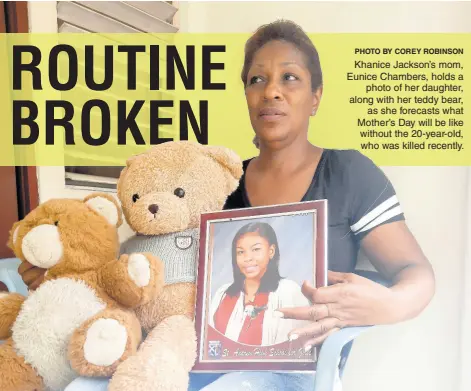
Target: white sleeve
{"points": [[289, 295], [374, 201]]}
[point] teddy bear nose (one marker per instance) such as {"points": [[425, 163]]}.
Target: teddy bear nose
{"points": [[153, 208]]}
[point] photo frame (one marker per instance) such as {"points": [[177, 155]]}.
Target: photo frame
{"points": [[251, 262]]}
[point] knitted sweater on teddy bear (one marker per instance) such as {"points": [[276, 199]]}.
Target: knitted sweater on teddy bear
{"points": [[178, 251]]}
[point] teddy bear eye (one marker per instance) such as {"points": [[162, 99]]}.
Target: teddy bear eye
{"points": [[56, 223], [135, 197], [179, 192]]}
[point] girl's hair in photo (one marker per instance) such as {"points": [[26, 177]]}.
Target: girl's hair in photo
{"points": [[270, 280]]}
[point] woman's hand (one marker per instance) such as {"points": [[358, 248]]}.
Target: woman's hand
{"points": [[351, 300], [31, 275]]}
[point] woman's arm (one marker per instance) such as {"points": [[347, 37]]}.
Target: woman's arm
{"points": [[395, 253], [378, 226], [352, 300]]}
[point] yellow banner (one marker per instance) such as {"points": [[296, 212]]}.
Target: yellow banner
{"points": [[96, 99]]}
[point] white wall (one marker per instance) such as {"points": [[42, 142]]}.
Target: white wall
{"points": [[422, 354]]}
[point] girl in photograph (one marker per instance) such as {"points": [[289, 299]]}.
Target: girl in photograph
{"points": [[245, 310]]}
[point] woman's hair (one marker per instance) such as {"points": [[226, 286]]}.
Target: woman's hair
{"points": [[287, 31], [271, 278]]}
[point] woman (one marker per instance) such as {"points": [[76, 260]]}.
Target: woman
{"points": [[283, 88], [246, 310]]}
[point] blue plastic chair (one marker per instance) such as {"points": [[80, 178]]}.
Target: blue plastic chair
{"points": [[10, 277], [334, 352], [337, 347]]}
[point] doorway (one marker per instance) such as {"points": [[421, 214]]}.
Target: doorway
{"points": [[19, 184]]}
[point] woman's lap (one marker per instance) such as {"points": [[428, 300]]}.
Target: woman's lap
{"points": [[88, 384], [251, 381], [234, 381]]}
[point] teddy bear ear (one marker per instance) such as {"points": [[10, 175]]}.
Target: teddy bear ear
{"points": [[13, 235], [130, 160], [227, 158], [105, 205]]}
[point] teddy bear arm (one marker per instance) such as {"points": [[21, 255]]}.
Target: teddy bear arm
{"points": [[134, 279], [175, 299], [10, 306], [15, 373]]}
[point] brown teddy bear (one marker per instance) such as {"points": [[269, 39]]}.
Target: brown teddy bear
{"points": [[163, 193], [80, 320]]}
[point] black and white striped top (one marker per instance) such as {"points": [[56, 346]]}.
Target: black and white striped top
{"points": [[360, 198]]}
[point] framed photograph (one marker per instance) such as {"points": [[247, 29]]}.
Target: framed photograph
{"points": [[251, 262]]}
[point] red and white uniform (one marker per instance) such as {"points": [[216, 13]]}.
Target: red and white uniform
{"points": [[232, 318]]}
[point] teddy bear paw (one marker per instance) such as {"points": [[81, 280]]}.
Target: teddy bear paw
{"points": [[139, 269], [105, 342]]}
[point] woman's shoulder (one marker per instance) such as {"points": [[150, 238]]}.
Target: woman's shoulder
{"points": [[372, 197], [352, 171], [349, 158], [245, 163], [236, 200]]}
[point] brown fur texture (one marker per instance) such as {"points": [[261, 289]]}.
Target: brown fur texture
{"points": [[77, 225], [167, 356], [15, 374], [88, 236], [130, 295], [207, 175], [10, 305], [175, 299]]}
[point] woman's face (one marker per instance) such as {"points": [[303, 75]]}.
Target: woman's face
{"points": [[279, 93], [253, 254]]}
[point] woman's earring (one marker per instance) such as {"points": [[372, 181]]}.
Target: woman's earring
{"points": [[313, 112]]}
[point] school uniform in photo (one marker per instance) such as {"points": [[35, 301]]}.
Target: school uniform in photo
{"points": [[231, 317]]}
